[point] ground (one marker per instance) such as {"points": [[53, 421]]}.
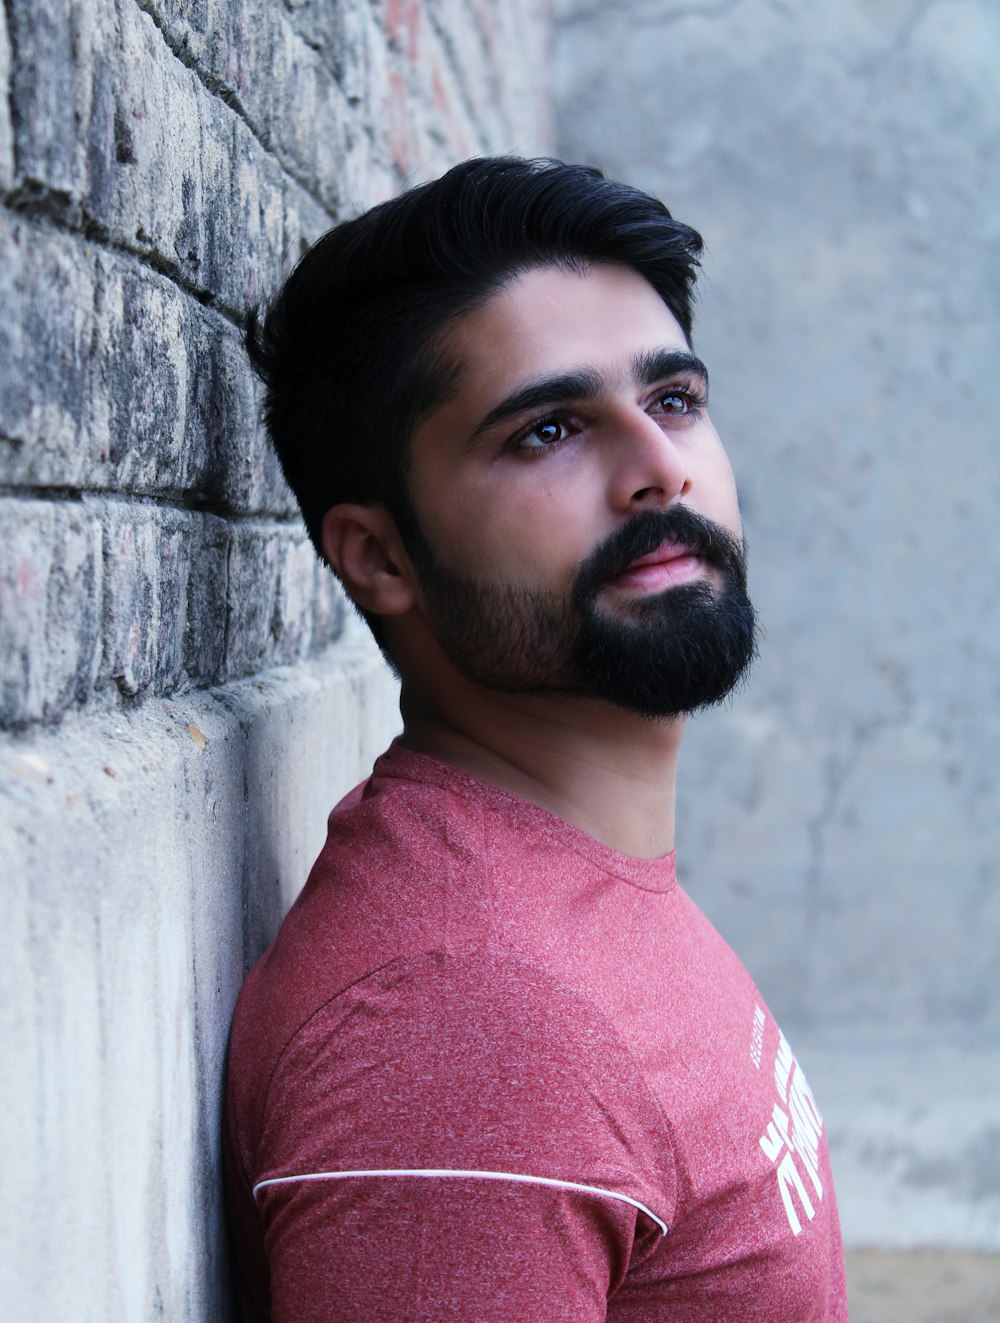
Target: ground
{"points": [[923, 1286]]}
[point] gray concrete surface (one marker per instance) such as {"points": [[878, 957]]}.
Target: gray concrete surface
{"points": [[839, 821], [148, 858], [914, 1130]]}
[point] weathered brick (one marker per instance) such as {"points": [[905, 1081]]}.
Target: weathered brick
{"points": [[142, 608], [356, 54], [282, 602], [524, 85], [167, 590], [331, 608], [295, 603], [46, 292], [175, 545], [6, 132], [448, 131], [473, 74], [50, 102], [148, 185], [138, 416], [299, 110], [507, 98], [117, 380], [242, 471], [112, 131], [207, 594], [50, 595], [254, 567], [355, 48]]}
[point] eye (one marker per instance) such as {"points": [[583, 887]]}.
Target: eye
{"points": [[676, 401], [541, 435], [680, 402]]}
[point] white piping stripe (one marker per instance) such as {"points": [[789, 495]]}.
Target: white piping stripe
{"points": [[478, 1175]]}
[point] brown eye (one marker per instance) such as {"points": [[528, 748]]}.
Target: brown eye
{"points": [[541, 435], [547, 432], [675, 402]]}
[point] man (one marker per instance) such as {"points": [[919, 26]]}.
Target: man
{"points": [[496, 1065]]}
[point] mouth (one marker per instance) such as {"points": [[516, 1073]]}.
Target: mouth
{"points": [[672, 563]]}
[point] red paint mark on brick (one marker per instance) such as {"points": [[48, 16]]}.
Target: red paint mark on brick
{"points": [[402, 20], [489, 30], [438, 94], [398, 127], [27, 582], [413, 45]]}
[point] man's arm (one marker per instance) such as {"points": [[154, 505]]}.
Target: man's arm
{"points": [[453, 1138]]}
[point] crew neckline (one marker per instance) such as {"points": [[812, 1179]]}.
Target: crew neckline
{"points": [[402, 763]]}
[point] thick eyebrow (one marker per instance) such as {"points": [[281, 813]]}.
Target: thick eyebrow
{"points": [[661, 363], [585, 384], [588, 384]]}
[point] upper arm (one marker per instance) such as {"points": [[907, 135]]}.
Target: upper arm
{"points": [[380, 1249], [455, 1138]]}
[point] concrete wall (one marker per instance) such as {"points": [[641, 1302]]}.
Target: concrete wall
{"points": [[840, 822], [182, 692]]}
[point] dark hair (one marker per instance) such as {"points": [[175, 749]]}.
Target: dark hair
{"points": [[349, 350]]}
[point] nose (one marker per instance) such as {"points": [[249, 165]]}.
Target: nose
{"points": [[649, 469]]}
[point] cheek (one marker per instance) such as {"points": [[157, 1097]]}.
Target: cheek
{"points": [[718, 484], [535, 535]]}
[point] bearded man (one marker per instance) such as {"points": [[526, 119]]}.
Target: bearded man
{"points": [[496, 1065]]}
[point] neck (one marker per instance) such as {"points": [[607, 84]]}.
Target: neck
{"points": [[608, 772]]}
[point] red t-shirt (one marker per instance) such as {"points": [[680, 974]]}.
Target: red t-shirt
{"points": [[492, 1070]]}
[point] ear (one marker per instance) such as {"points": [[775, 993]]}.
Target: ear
{"points": [[363, 545]]}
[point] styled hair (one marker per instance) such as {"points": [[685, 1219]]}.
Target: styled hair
{"points": [[350, 349]]}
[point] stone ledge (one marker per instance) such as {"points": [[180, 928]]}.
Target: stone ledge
{"points": [[149, 859]]}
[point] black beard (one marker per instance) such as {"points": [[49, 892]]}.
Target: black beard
{"points": [[663, 656]]}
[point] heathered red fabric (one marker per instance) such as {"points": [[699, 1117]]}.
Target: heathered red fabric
{"points": [[470, 992]]}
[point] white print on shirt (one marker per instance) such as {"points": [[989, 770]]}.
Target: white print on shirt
{"points": [[757, 1037], [795, 1134]]}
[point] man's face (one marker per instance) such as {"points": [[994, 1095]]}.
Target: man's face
{"points": [[579, 516]]}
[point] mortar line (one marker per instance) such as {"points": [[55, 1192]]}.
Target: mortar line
{"points": [[231, 99], [46, 209], [66, 494]]}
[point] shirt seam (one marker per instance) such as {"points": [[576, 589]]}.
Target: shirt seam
{"points": [[453, 1173]]}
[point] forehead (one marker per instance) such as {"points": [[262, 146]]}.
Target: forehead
{"points": [[557, 320]]}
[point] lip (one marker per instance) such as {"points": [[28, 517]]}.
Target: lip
{"points": [[670, 564]]}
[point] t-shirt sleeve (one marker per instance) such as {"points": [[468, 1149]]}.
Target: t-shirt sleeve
{"points": [[456, 1137]]}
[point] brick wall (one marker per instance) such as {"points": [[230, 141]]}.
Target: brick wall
{"points": [[161, 164], [163, 785]]}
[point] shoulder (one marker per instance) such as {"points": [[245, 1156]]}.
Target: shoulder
{"points": [[459, 1136], [399, 859], [464, 1061]]}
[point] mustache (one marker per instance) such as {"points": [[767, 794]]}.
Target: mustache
{"points": [[644, 533]]}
